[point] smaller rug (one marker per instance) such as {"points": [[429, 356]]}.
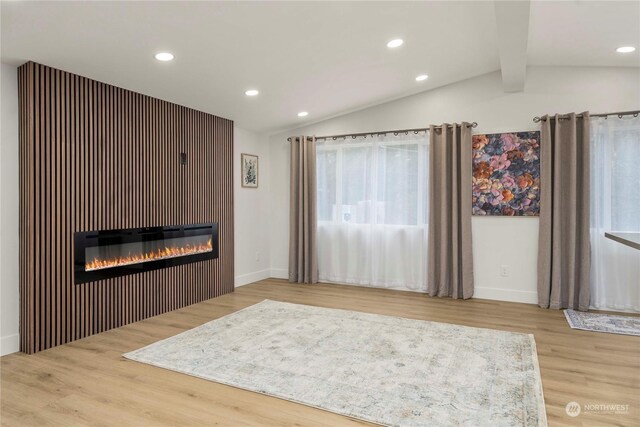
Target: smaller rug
{"points": [[609, 323]]}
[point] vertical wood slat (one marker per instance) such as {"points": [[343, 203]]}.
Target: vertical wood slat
{"points": [[94, 156]]}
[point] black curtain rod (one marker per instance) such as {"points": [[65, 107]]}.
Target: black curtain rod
{"points": [[633, 113], [382, 132]]}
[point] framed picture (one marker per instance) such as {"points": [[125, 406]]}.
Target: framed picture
{"points": [[506, 174], [249, 170]]}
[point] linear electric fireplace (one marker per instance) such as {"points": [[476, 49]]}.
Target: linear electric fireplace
{"points": [[111, 253]]}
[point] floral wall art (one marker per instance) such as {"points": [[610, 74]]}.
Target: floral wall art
{"points": [[506, 174], [249, 164]]}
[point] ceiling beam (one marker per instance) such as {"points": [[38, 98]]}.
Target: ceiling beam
{"points": [[512, 18]]}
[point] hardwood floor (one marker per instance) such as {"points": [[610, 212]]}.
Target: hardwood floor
{"points": [[87, 382]]}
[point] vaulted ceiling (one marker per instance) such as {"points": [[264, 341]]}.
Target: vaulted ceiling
{"points": [[326, 58]]}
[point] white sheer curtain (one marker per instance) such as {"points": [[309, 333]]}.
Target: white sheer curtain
{"points": [[615, 206], [372, 211]]}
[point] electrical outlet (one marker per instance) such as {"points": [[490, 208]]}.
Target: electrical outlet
{"points": [[505, 270], [257, 256]]}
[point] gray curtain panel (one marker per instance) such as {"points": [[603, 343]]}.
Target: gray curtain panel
{"points": [[303, 217], [450, 263], [564, 245]]}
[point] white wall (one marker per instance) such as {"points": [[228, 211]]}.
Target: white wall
{"points": [[497, 240], [9, 301], [251, 211]]}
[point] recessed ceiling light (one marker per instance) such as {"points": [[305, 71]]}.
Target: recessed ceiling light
{"points": [[422, 77], [251, 92], [395, 43], [625, 49], [303, 114], [164, 56]]}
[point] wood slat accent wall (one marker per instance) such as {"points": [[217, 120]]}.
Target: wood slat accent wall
{"points": [[98, 157]]}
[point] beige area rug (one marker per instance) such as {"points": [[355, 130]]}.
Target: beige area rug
{"points": [[387, 370]]}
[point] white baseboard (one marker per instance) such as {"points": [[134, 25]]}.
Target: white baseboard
{"points": [[245, 279], [497, 294], [279, 273], [9, 344]]}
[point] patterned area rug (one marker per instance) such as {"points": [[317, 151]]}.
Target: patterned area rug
{"points": [[387, 370], [597, 322]]}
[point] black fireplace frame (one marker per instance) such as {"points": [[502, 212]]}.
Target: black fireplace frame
{"points": [[87, 239]]}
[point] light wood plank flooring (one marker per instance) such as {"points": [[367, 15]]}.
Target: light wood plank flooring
{"points": [[87, 382]]}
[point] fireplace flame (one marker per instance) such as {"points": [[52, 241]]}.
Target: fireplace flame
{"points": [[158, 254]]}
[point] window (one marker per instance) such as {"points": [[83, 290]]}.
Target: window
{"points": [[624, 154], [615, 207], [372, 211], [373, 181]]}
